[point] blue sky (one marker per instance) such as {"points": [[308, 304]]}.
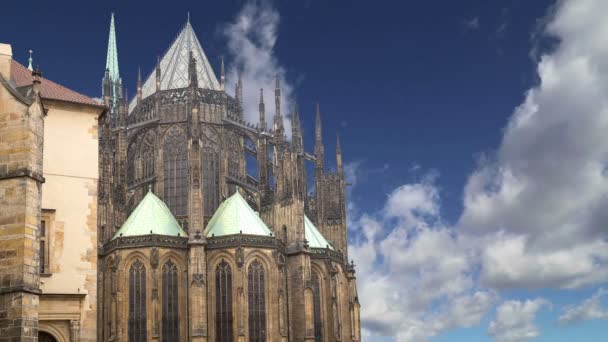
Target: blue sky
{"points": [[472, 132]]}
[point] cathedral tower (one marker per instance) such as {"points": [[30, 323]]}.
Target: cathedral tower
{"points": [[254, 256]]}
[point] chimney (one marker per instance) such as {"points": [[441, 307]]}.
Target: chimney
{"points": [[6, 56]]}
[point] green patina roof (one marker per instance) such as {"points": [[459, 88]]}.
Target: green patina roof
{"points": [[235, 216], [150, 217], [314, 236], [112, 57]]}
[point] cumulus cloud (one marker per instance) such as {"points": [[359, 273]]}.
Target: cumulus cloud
{"points": [[533, 213], [541, 201], [252, 36], [514, 320], [589, 309], [402, 275]]}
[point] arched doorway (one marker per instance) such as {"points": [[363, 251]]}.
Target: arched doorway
{"points": [[45, 337]]}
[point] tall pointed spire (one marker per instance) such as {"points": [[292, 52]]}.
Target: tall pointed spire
{"points": [[318, 128], [296, 130], [239, 88], [319, 148], [112, 75], [338, 155], [138, 84], [29, 62], [262, 111], [278, 120], [175, 66], [112, 57], [222, 76]]}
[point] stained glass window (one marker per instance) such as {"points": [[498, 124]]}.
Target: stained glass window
{"points": [[211, 182], [257, 302], [223, 302], [316, 290], [147, 156], [170, 312], [137, 302], [176, 171]]}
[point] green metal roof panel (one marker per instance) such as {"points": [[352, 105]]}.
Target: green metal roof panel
{"points": [[235, 216], [151, 216], [314, 236]]}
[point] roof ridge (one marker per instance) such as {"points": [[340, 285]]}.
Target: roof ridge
{"points": [[50, 89]]}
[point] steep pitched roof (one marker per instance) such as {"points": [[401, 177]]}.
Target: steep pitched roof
{"points": [[22, 76], [174, 66], [151, 216], [314, 236], [235, 216]]}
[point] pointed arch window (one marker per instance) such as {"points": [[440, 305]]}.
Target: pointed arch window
{"points": [[257, 302], [316, 291], [211, 180], [170, 308], [223, 302], [137, 302], [131, 161], [176, 171], [147, 156]]}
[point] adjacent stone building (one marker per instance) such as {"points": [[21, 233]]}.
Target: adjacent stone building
{"points": [[66, 173], [206, 226]]}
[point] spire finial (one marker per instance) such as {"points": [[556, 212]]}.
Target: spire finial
{"points": [[157, 73], [149, 187], [112, 56], [318, 128], [188, 17], [139, 90], [222, 75], [262, 111], [29, 64]]}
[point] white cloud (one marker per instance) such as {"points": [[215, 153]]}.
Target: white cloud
{"points": [[251, 40], [534, 213], [415, 276], [589, 309], [540, 203], [514, 320]]}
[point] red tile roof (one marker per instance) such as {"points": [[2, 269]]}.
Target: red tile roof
{"points": [[49, 89]]}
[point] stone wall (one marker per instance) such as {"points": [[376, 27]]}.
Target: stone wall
{"points": [[21, 137]]}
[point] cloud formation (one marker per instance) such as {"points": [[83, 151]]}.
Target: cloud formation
{"points": [[251, 40], [533, 215], [589, 309], [541, 201], [514, 320]]}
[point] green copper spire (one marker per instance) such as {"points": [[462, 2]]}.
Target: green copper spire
{"points": [[112, 59], [151, 216]]}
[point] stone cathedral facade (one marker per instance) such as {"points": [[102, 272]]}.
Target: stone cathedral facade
{"points": [[207, 229]]}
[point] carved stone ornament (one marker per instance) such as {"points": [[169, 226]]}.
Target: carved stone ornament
{"points": [[154, 258], [198, 279], [240, 258]]}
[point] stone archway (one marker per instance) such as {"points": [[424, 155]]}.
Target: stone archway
{"points": [[45, 337]]}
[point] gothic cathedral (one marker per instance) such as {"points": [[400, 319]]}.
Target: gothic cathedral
{"points": [[207, 230]]}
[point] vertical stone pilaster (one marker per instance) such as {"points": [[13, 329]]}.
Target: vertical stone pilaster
{"points": [[21, 137]]}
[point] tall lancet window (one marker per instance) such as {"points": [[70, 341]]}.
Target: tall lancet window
{"points": [[257, 302], [211, 187], [316, 290], [137, 302], [147, 156], [176, 171], [223, 302], [170, 312]]}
